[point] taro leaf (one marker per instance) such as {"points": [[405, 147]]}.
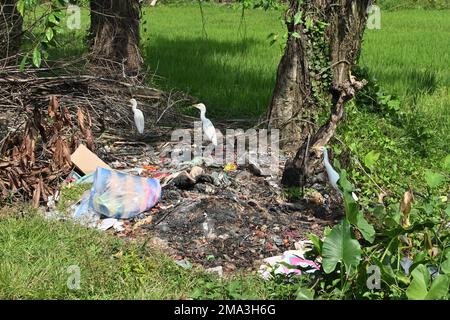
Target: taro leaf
{"points": [[366, 229], [305, 294], [445, 266], [371, 158], [317, 242], [339, 246], [418, 289], [356, 218], [344, 183], [433, 179], [439, 288]]}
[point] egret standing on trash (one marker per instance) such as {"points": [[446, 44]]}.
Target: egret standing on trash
{"points": [[333, 176], [208, 127], [138, 116]]}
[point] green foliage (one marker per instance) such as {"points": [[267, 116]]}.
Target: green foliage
{"points": [[420, 288], [403, 256], [340, 247], [47, 24]]}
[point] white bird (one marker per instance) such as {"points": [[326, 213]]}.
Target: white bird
{"points": [[333, 176], [138, 116], [208, 127]]}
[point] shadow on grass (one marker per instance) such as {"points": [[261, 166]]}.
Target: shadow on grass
{"points": [[223, 74]]}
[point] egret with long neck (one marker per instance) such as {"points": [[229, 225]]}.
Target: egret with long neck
{"points": [[138, 116], [208, 127], [333, 176]]}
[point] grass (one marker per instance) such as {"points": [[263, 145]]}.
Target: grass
{"points": [[37, 254], [232, 70]]}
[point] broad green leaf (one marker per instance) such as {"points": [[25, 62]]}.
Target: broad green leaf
{"points": [[49, 34], [418, 289], [439, 288], [317, 242], [366, 229], [371, 158], [21, 7], [339, 246], [356, 217], [305, 294], [445, 266], [433, 179], [53, 19], [37, 59], [343, 182], [297, 18]]}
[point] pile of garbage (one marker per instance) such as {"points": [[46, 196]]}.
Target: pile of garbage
{"points": [[221, 216]]}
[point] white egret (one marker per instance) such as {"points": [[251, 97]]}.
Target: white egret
{"points": [[138, 116], [333, 176], [208, 127]]}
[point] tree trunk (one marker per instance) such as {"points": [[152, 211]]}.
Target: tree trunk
{"points": [[10, 29], [114, 36], [346, 23], [292, 94]]}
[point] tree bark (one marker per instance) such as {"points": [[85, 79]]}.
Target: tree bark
{"points": [[292, 94], [115, 36], [10, 29], [346, 23]]}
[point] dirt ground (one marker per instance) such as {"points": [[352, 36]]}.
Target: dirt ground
{"points": [[231, 218]]}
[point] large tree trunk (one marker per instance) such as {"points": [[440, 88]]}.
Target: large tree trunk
{"points": [[115, 36], [10, 29], [346, 23], [291, 97]]}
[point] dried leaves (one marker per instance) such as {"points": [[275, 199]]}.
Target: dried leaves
{"points": [[405, 208], [33, 162]]}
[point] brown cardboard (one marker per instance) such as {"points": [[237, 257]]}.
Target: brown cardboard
{"points": [[86, 161]]}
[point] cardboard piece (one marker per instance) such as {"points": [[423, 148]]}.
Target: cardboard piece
{"points": [[86, 161]]}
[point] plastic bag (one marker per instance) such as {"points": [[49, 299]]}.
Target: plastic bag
{"points": [[122, 196]]}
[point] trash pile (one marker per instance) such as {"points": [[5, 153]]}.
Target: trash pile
{"points": [[223, 217]]}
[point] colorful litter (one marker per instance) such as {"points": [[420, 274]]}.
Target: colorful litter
{"points": [[292, 262], [119, 195]]}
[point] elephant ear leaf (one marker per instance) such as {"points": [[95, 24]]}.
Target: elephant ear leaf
{"points": [[418, 289], [439, 288], [340, 246]]}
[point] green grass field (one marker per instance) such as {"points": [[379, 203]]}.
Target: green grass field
{"points": [[36, 257], [235, 74], [233, 71]]}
